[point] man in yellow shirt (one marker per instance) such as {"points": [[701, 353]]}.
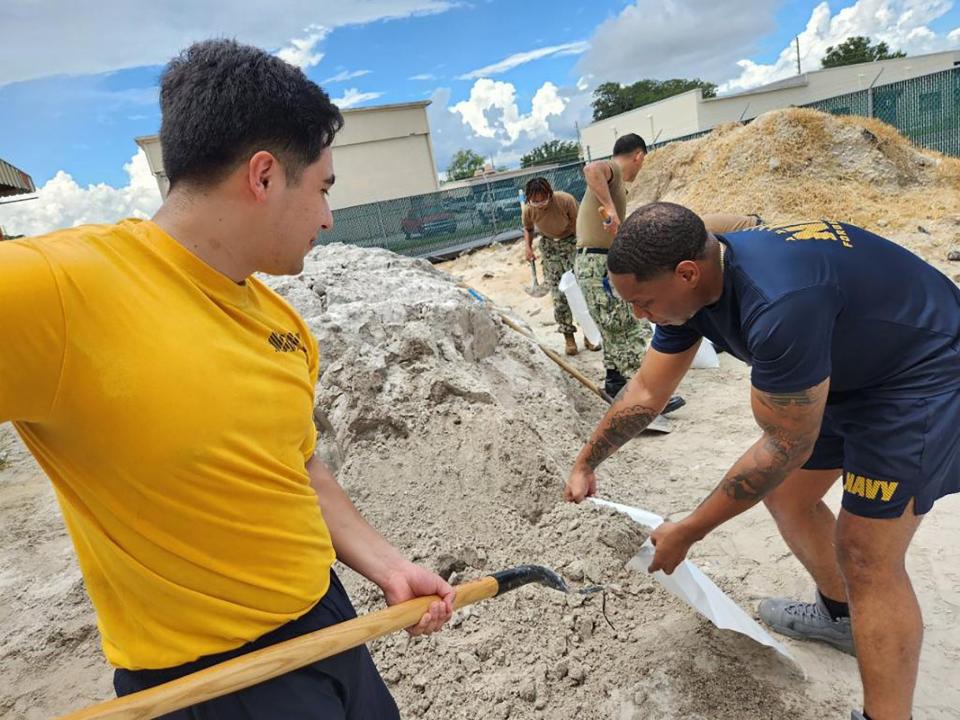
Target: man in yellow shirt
{"points": [[168, 395]]}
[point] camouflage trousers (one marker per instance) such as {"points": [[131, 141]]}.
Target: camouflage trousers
{"points": [[625, 337], [556, 257]]}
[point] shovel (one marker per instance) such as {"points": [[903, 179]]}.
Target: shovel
{"points": [[536, 290], [255, 667]]}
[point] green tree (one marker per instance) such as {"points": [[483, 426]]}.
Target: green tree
{"points": [[464, 164], [550, 152], [858, 49], [612, 98]]}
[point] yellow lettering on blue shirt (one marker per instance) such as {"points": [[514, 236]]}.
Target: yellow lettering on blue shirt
{"points": [[820, 230]]}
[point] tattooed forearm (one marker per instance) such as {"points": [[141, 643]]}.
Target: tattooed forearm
{"points": [[623, 426]]}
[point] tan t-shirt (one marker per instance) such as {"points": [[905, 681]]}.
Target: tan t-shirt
{"points": [[720, 223], [558, 220], [590, 232]]}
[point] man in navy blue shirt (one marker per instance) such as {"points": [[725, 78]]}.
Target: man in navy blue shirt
{"points": [[854, 348]]}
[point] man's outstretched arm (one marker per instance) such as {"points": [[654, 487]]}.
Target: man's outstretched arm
{"points": [[791, 425], [362, 548], [643, 398]]}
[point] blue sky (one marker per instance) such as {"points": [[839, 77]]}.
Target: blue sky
{"points": [[75, 89]]}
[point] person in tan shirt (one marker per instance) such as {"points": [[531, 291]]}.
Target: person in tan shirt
{"points": [[624, 337], [603, 207], [554, 216]]}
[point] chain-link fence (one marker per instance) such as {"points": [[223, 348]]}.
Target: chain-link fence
{"points": [[925, 109], [447, 220]]}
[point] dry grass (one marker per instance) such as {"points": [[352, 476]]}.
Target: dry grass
{"points": [[799, 164]]}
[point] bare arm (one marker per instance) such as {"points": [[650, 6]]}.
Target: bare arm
{"points": [[598, 176], [790, 424], [358, 545], [528, 243], [363, 549], [526, 220], [573, 208], [643, 398]]}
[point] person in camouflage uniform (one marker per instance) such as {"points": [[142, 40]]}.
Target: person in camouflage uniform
{"points": [[604, 205], [554, 215]]}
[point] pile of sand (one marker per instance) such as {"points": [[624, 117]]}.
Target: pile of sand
{"points": [[800, 164]]}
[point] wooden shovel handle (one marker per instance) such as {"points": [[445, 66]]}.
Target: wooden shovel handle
{"points": [[255, 667], [570, 369]]}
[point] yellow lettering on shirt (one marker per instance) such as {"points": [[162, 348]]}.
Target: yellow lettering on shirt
{"points": [[820, 230]]}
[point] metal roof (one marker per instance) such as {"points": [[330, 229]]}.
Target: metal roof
{"points": [[14, 181]]}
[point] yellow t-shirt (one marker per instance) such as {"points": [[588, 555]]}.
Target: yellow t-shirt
{"points": [[172, 409]]}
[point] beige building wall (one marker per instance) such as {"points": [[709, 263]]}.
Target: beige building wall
{"points": [[668, 118], [821, 85], [381, 153], [689, 112]]}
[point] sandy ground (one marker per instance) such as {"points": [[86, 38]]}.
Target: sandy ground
{"points": [[454, 437]]}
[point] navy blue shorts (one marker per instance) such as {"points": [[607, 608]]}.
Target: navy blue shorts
{"points": [[891, 450], [345, 686]]}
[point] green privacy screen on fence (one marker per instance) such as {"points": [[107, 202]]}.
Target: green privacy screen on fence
{"points": [[925, 109]]}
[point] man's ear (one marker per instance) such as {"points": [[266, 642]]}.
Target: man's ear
{"points": [[262, 169], [688, 271]]}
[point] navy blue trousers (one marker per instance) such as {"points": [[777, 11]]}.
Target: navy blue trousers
{"points": [[344, 687]]}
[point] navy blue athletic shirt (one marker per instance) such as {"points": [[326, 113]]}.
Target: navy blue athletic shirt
{"points": [[822, 299]]}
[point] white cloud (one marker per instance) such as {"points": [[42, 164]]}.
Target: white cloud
{"points": [[62, 203], [346, 75], [574, 48], [300, 51], [450, 133], [902, 24], [146, 32], [352, 97], [677, 39], [422, 76], [491, 97]]}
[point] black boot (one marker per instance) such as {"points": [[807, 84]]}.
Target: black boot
{"points": [[614, 382]]}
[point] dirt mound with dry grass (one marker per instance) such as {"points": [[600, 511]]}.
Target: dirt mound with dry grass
{"points": [[801, 164]]}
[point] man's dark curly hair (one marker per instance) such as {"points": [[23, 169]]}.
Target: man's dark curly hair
{"points": [[222, 101], [538, 186], [655, 239]]}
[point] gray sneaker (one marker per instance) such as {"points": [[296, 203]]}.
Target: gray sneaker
{"points": [[857, 715], [807, 621]]}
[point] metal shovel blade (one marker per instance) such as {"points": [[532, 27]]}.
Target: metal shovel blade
{"points": [[536, 290]]}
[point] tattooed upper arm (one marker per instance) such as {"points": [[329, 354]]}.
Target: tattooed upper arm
{"points": [[791, 425], [791, 421]]}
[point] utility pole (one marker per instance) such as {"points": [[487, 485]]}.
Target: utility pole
{"points": [[798, 54]]}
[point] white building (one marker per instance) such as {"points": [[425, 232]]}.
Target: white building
{"points": [[690, 112], [382, 152]]}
